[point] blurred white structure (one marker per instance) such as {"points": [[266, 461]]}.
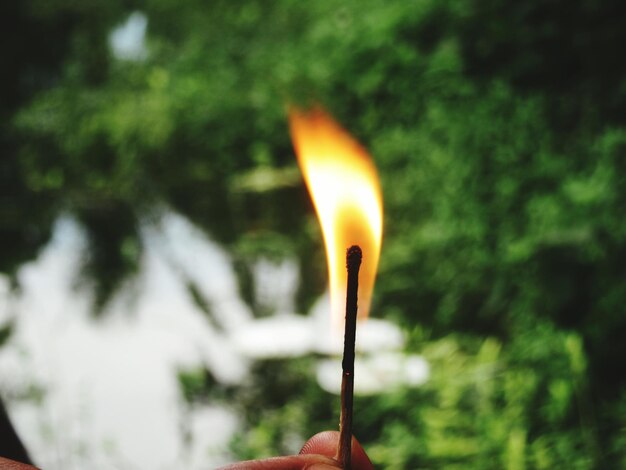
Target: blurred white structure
{"points": [[109, 391]]}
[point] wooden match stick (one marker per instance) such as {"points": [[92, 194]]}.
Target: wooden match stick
{"points": [[353, 263]]}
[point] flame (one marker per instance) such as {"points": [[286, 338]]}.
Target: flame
{"points": [[345, 188]]}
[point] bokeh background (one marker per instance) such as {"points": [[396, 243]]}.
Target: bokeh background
{"points": [[160, 256]]}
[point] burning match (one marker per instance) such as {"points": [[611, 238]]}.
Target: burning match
{"points": [[345, 189]]}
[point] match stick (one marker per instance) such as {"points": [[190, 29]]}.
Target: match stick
{"points": [[353, 263]]}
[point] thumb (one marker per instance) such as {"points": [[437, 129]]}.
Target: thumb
{"points": [[326, 443]]}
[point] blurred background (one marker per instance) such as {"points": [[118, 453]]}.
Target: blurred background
{"points": [[162, 271]]}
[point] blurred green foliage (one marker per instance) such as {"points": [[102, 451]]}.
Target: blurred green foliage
{"points": [[499, 132]]}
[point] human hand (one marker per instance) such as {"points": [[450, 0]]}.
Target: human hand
{"points": [[318, 453]]}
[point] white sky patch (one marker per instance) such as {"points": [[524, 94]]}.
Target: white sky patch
{"points": [[276, 285], [275, 337], [128, 41], [375, 373], [198, 259], [372, 335], [111, 397]]}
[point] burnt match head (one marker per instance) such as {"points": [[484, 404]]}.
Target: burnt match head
{"points": [[353, 257]]}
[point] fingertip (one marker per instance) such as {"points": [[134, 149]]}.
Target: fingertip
{"points": [[326, 443], [290, 462], [323, 443]]}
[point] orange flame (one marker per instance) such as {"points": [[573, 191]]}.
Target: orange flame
{"points": [[345, 188]]}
